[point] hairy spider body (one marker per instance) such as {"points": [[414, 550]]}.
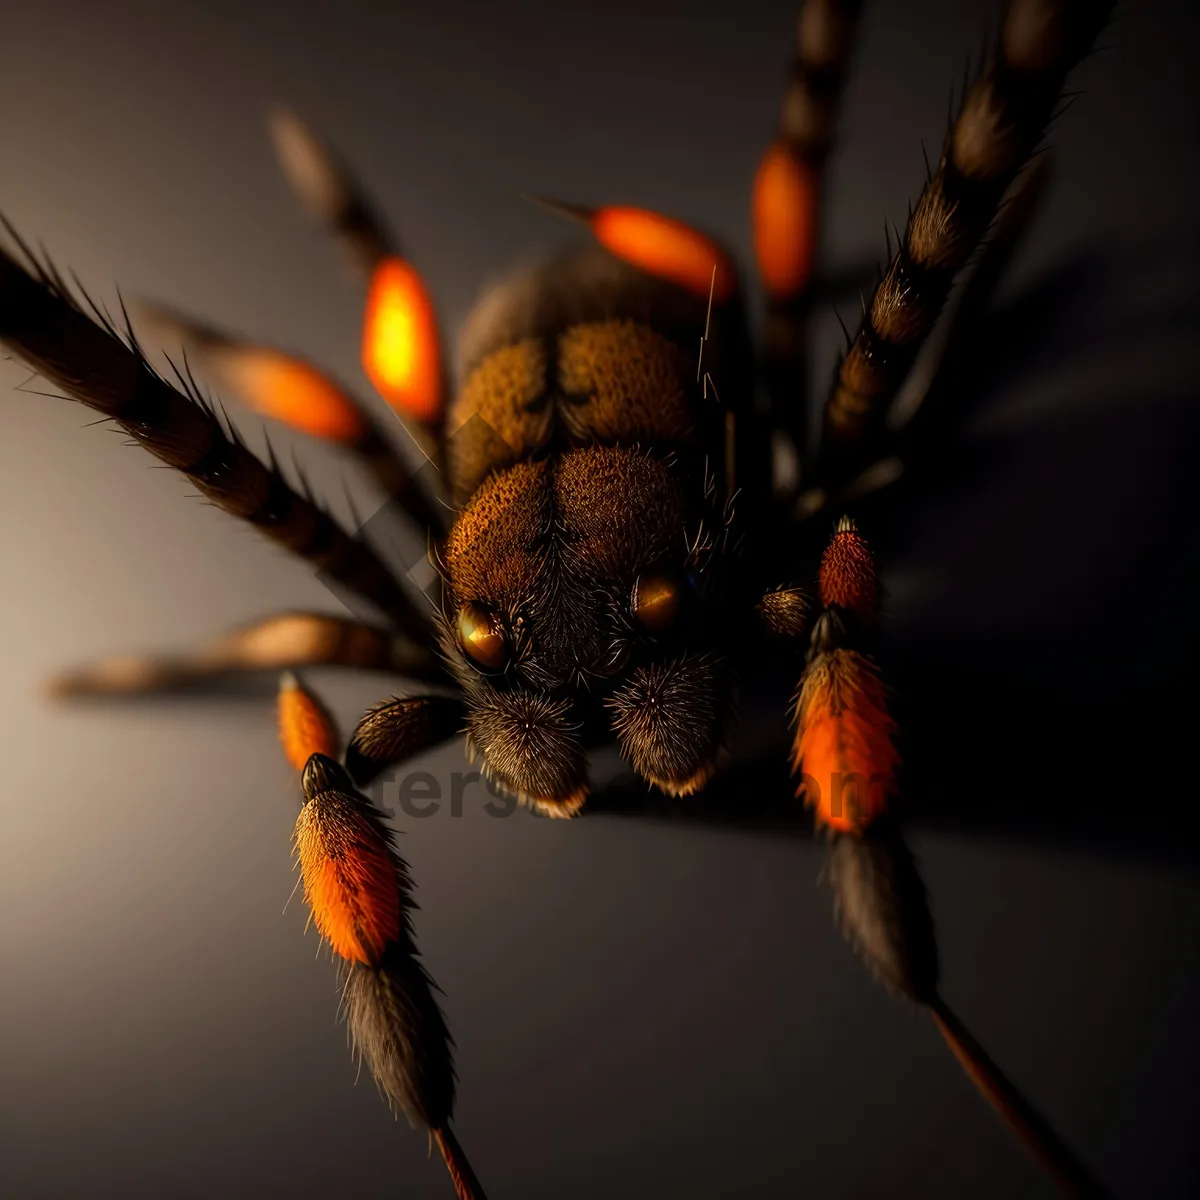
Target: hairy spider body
{"points": [[581, 442], [611, 570]]}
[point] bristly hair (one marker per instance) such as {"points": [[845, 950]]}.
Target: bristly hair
{"points": [[1000, 119], [397, 1028], [394, 1022], [94, 364], [881, 907]]}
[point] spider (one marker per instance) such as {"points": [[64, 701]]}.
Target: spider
{"points": [[607, 572]]}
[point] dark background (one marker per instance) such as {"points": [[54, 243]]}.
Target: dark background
{"points": [[641, 1008]]}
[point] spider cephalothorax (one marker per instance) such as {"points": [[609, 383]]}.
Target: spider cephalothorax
{"points": [[570, 608], [598, 583]]}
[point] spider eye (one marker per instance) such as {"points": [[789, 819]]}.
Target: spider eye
{"points": [[657, 599], [481, 636]]}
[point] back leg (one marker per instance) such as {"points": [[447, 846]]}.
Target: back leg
{"points": [[297, 393], [787, 201], [284, 641], [88, 359], [847, 763], [1002, 117], [401, 347]]}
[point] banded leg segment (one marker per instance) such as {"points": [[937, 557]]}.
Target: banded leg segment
{"points": [[786, 200], [401, 347], [284, 641], [1000, 121], [329, 192], [399, 729], [297, 393], [92, 365], [359, 892], [844, 735]]}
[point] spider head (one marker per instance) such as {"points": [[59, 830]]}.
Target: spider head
{"points": [[578, 609]]}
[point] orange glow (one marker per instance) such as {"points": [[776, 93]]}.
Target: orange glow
{"points": [[843, 729], [290, 391], [848, 573], [349, 874], [666, 248], [305, 728], [784, 212], [401, 353]]}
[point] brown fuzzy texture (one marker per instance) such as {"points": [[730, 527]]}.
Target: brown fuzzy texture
{"points": [[621, 379], [398, 729], [785, 612], [92, 365], [397, 1029], [1000, 120], [530, 745], [498, 416], [881, 908], [669, 719]]}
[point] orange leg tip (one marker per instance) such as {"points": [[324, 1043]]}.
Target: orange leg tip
{"points": [[784, 217], [401, 351], [847, 576], [305, 728], [666, 248], [290, 391]]}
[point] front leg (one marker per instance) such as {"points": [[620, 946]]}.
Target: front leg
{"points": [[844, 754], [359, 892]]}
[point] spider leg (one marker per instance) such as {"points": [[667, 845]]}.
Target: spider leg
{"points": [[294, 391], [786, 202], [919, 421], [93, 365], [1001, 119], [398, 729], [843, 738], [401, 346], [938, 373], [359, 892], [283, 641]]}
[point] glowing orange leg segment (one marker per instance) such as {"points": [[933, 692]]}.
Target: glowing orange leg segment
{"points": [[843, 749], [661, 246], [666, 248], [401, 353], [784, 212], [350, 876], [290, 391], [305, 728]]}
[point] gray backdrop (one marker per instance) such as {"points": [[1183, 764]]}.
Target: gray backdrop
{"points": [[641, 1009]]}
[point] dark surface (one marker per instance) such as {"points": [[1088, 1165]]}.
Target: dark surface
{"points": [[642, 1007]]}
